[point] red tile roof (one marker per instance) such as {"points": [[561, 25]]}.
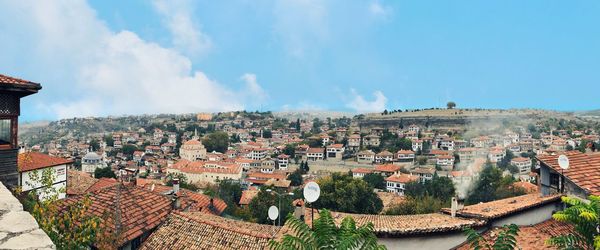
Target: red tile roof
{"points": [[362, 170], [520, 159], [247, 196], [102, 183], [503, 207], [315, 150], [201, 202], [584, 169], [530, 237], [192, 142], [78, 182], [138, 210], [19, 83], [387, 168], [398, 225], [203, 231], [34, 160], [402, 178]]}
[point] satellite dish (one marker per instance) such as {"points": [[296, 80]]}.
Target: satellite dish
{"points": [[563, 162], [273, 212], [312, 191]]}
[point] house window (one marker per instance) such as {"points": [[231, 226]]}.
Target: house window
{"points": [[5, 132]]}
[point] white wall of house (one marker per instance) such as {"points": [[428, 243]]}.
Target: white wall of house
{"points": [[429, 242], [60, 180], [529, 217]]}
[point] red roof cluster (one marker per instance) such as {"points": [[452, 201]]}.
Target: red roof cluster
{"points": [[131, 210], [34, 160]]}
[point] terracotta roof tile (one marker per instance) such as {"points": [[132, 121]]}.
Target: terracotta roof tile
{"points": [[200, 202], [102, 183], [202, 231], [503, 207], [530, 237], [387, 168], [402, 178], [362, 170], [78, 182], [16, 82], [584, 169], [397, 225], [247, 196], [34, 160], [140, 210]]}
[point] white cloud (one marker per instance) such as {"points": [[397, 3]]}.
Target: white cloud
{"points": [[253, 90], [378, 9], [359, 104], [94, 71], [187, 36]]}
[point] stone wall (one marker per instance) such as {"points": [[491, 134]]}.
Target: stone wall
{"points": [[18, 229]]}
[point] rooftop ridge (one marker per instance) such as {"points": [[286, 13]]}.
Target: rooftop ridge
{"points": [[199, 219]]}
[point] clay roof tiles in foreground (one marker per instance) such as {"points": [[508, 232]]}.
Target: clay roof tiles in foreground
{"points": [[78, 182], [530, 237], [503, 207], [139, 210], [584, 169], [203, 231], [396, 225], [201, 202]]}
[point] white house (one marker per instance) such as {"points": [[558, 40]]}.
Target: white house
{"points": [[524, 164], [283, 161], [33, 163], [361, 172], [397, 183], [335, 152], [405, 155], [417, 145], [315, 154]]}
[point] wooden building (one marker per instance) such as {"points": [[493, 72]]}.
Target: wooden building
{"points": [[11, 91]]}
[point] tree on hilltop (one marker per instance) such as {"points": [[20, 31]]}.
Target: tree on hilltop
{"points": [[451, 105]]}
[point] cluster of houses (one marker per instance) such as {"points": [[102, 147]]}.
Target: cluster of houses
{"points": [[146, 214], [261, 152]]}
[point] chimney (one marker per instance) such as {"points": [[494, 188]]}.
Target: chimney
{"points": [[175, 185], [176, 201], [454, 207]]}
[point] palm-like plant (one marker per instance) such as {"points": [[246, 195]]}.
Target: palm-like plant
{"points": [[326, 235], [506, 239], [585, 218]]}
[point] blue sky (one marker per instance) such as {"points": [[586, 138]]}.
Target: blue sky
{"points": [[102, 58]]}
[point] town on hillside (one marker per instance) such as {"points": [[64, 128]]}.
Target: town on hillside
{"points": [[239, 179]]}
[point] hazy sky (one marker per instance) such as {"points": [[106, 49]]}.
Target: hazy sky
{"points": [[132, 57]]}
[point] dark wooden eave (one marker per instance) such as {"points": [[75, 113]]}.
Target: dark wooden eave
{"points": [[18, 86]]}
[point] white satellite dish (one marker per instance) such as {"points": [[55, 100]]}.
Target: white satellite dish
{"points": [[563, 162], [312, 191], [273, 212]]}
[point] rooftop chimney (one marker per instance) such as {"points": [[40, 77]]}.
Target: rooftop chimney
{"points": [[176, 185], [176, 200], [454, 206]]}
